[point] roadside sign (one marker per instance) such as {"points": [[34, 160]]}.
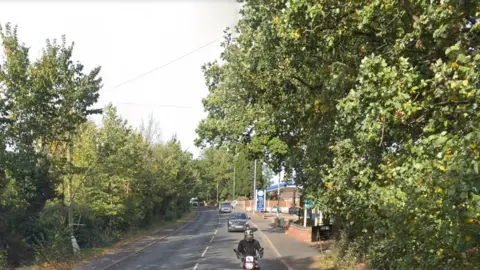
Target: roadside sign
{"points": [[260, 201], [308, 204]]}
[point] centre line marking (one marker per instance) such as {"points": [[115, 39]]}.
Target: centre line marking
{"points": [[203, 254], [196, 266], [215, 232], [211, 240]]}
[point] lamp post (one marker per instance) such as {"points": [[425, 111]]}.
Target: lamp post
{"points": [[254, 186], [233, 182], [278, 193]]}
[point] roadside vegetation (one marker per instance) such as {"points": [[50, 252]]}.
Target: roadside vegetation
{"points": [[373, 107], [61, 175], [216, 168]]}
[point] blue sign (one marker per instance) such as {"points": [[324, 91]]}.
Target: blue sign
{"points": [[308, 204], [260, 201]]}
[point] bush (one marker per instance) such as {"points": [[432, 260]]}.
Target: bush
{"points": [[51, 241]]}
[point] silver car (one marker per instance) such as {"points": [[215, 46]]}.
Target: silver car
{"points": [[225, 207]]}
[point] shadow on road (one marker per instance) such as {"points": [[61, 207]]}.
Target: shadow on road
{"points": [[222, 256]]}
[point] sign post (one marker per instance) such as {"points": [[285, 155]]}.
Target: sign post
{"points": [[254, 187], [307, 205], [260, 206]]}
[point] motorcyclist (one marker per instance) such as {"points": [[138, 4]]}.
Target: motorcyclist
{"points": [[248, 246]]}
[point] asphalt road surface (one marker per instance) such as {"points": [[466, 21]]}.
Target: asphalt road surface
{"points": [[201, 244]]}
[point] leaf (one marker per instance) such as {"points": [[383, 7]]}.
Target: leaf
{"points": [[440, 141], [418, 166]]}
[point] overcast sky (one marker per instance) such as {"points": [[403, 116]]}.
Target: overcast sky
{"points": [[131, 38]]}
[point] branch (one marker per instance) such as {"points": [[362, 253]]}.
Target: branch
{"points": [[335, 24], [383, 132], [366, 34], [85, 176], [408, 9], [446, 103], [311, 87]]}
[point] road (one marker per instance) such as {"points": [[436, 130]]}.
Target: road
{"points": [[202, 244]]}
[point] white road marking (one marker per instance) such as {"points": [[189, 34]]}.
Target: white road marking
{"points": [[215, 232], [211, 240], [273, 247], [196, 266], [205, 251]]}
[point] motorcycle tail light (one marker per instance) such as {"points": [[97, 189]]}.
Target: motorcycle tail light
{"points": [[244, 266]]}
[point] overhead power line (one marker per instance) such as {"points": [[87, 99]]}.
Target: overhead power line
{"points": [[167, 64], [155, 105]]}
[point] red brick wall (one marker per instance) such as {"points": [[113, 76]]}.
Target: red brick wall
{"points": [[273, 203], [300, 233]]}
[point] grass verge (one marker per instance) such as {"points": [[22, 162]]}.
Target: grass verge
{"points": [[329, 258], [87, 254]]}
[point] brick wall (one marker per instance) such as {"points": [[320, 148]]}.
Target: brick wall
{"points": [[299, 232], [272, 203]]}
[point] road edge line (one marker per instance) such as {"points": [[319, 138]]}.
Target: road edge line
{"points": [[150, 244], [279, 256]]}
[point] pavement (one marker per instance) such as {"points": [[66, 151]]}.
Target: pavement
{"points": [[268, 215], [204, 243]]}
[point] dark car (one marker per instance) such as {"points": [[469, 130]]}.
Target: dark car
{"points": [[238, 221]]}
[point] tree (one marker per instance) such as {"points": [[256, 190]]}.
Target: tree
{"points": [[151, 131], [58, 170], [43, 103], [369, 104], [267, 175], [217, 168]]}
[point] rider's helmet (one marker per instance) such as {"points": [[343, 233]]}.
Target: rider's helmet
{"points": [[248, 235]]}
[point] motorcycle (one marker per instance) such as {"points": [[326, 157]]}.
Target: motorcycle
{"points": [[249, 262]]}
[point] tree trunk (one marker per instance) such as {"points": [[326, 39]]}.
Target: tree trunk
{"points": [[76, 248]]}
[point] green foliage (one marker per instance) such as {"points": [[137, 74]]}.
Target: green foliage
{"points": [[114, 178], [130, 183], [42, 104], [373, 106], [216, 166]]}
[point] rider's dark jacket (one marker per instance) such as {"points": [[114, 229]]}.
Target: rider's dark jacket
{"points": [[248, 248]]}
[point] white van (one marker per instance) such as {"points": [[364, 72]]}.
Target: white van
{"points": [[194, 202]]}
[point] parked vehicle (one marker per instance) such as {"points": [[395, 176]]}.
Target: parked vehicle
{"points": [[238, 221], [274, 209], [293, 210], [225, 207]]}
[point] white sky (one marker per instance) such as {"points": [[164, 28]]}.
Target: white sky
{"points": [[130, 38]]}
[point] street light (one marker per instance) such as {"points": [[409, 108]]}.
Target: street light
{"points": [[278, 194], [233, 181], [254, 187]]}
